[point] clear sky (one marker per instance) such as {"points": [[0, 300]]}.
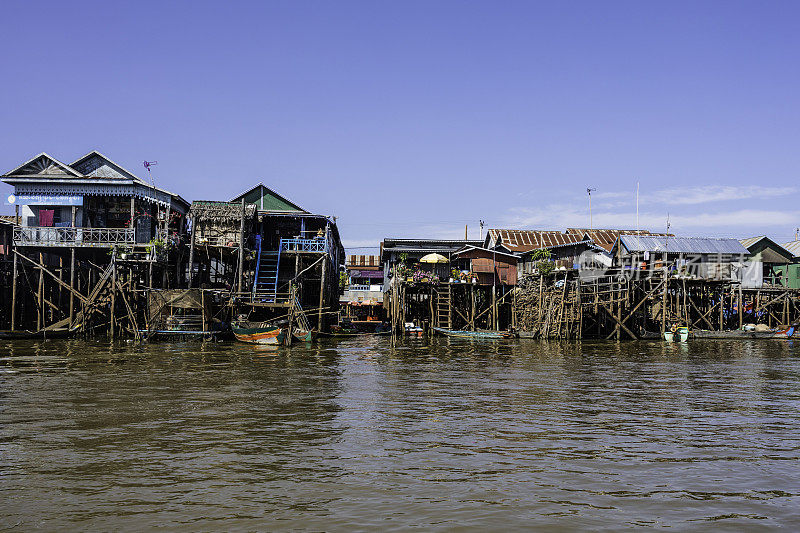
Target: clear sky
{"points": [[416, 118]]}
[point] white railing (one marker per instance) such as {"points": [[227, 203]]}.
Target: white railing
{"points": [[353, 287], [217, 240], [100, 237]]}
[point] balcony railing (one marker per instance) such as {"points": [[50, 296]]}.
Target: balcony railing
{"points": [[89, 237], [304, 245], [229, 240]]}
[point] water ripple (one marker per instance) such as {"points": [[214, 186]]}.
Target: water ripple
{"points": [[357, 434]]}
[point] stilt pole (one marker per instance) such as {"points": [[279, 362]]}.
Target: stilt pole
{"points": [[14, 296]]}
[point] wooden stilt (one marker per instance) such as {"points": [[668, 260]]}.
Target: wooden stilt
{"points": [[191, 252], [40, 292], [241, 250], [322, 291], [113, 295], [14, 296], [72, 287], [739, 307]]}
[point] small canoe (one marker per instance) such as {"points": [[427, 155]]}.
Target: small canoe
{"points": [[258, 333], [303, 335], [354, 333], [784, 333], [474, 334], [41, 334]]}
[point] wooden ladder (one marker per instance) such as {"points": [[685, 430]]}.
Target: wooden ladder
{"points": [[444, 313]]}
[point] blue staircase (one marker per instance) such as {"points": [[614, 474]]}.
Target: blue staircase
{"points": [[265, 287]]}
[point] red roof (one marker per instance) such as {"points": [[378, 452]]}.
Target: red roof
{"points": [[520, 240]]}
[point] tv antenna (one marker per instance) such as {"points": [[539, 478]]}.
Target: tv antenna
{"points": [[481, 223], [147, 165], [589, 192]]}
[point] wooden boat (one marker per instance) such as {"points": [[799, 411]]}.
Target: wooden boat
{"points": [[258, 333], [787, 333], [304, 335], [474, 334], [353, 333], [784, 333], [42, 334]]}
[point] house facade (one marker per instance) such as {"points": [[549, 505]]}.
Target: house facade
{"points": [[92, 202]]}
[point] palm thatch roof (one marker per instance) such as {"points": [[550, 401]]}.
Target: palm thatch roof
{"points": [[219, 212]]}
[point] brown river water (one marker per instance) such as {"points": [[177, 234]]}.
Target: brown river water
{"points": [[357, 435]]}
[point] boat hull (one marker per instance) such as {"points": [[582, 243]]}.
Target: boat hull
{"points": [[474, 334], [303, 335], [258, 335]]}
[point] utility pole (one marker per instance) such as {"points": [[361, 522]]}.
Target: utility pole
{"points": [[589, 192]]}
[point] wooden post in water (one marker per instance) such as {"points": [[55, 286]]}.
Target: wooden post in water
{"points": [[72, 275], [40, 292], [191, 251], [287, 340], [113, 293], [322, 291], [472, 314], [14, 294], [71, 286], [241, 250], [494, 307], [739, 307]]}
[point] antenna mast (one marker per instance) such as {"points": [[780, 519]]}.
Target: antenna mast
{"points": [[147, 165], [589, 192]]}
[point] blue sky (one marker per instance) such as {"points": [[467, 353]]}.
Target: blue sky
{"points": [[416, 118]]}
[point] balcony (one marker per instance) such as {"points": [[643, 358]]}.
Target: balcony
{"points": [[66, 237], [304, 245]]}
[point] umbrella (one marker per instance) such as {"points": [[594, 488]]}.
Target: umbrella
{"points": [[434, 258]]}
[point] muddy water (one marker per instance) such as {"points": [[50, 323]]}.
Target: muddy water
{"points": [[359, 435]]}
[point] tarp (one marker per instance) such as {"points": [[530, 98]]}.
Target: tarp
{"points": [[46, 218], [750, 274]]}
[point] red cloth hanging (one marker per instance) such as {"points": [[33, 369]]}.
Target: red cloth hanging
{"points": [[46, 218]]}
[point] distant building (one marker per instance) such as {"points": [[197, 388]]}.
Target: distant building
{"points": [[775, 261], [699, 257], [291, 245], [492, 267], [394, 250], [363, 294]]}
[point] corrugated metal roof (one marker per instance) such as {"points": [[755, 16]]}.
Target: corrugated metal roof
{"points": [[520, 241], [606, 238], [793, 247], [747, 243], [682, 245]]}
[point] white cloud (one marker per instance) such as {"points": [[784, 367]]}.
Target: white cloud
{"points": [[708, 194], [558, 216]]}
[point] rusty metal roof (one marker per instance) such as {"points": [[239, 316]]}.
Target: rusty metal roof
{"points": [[606, 238], [521, 241]]}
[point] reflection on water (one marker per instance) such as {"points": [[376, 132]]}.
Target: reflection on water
{"points": [[354, 433]]}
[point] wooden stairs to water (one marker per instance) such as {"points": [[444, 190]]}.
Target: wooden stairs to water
{"points": [[444, 307]]}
